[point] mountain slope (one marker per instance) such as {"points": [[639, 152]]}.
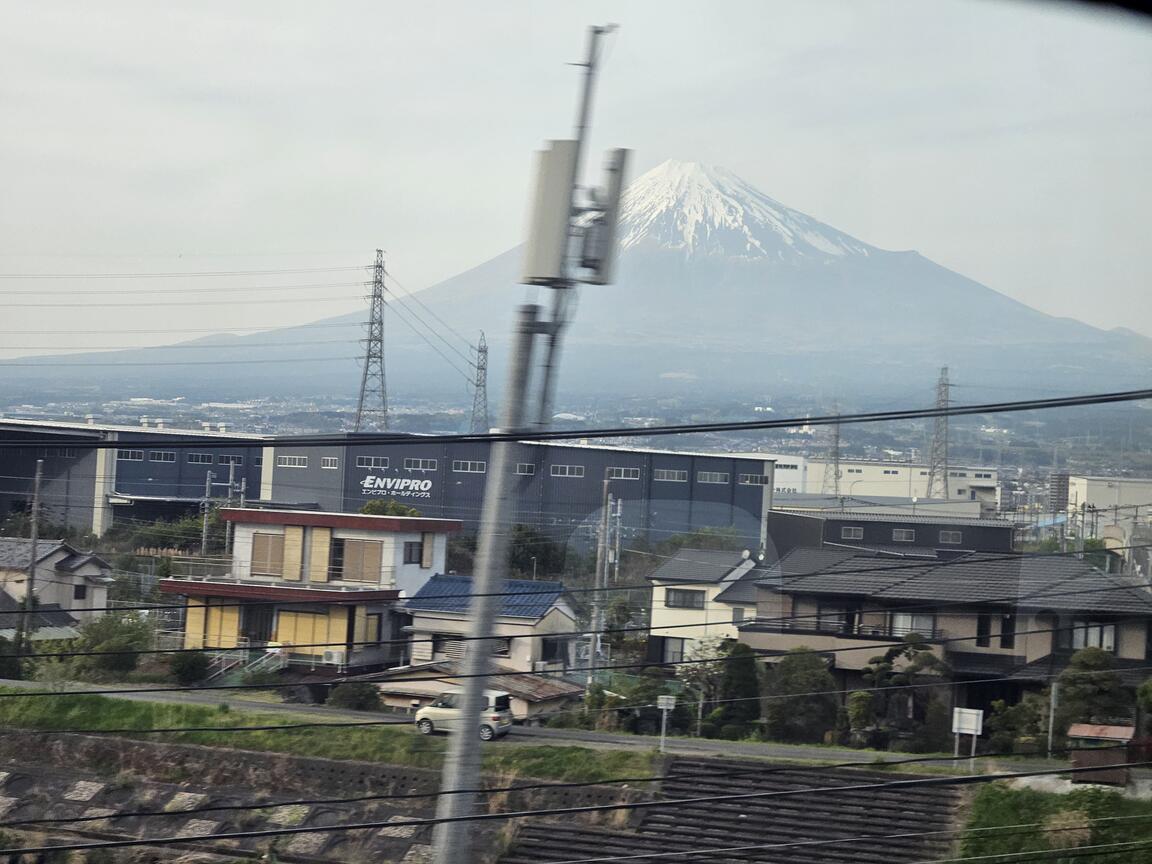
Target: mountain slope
{"points": [[720, 286]]}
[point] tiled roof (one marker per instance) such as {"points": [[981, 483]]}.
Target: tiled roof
{"points": [[697, 565], [16, 552], [523, 598], [1031, 581], [47, 615], [743, 590]]}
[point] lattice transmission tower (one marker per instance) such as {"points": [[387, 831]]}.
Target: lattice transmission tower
{"points": [[372, 409], [938, 453], [480, 422], [831, 482]]}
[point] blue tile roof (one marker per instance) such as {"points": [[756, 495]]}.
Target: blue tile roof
{"points": [[523, 598]]}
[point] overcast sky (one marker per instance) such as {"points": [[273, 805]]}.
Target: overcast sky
{"points": [[1007, 140]]}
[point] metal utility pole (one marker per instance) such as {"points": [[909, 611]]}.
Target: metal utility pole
{"points": [[205, 509], [831, 482], [480, 422], [24, 625], [372, 409], [231, 491], [938, 455], [595, 645], [562, 299], [616, 541], [554, 231]]}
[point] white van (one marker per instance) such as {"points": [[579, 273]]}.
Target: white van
{"points": [[443, 715]]}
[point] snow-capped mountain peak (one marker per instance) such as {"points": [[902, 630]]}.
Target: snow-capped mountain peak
{"points": [[707, 210]]}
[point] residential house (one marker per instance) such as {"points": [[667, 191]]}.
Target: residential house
{"points": [[700, 593], [48, 623], [315, 586], [535, 624], [1003, 623], [66, 578]]}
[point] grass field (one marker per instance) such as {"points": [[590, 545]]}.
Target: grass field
{"points": [[395, 745]]}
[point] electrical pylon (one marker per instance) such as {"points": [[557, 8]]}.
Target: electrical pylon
{"points": [[938, 454], [372, 409], [480, 422], [831, 482]]}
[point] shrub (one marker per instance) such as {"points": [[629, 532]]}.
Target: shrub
{"points": [[358, 696], [734, 731], [189, 668]]}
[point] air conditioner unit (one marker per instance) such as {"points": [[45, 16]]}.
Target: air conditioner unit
{"points": [[333, 658]]}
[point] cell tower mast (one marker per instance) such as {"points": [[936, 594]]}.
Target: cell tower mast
{"points": [[480, 423], [938, 455], [372, 409]]}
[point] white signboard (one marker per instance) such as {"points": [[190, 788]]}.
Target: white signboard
{"points": [[396, 487], [666, 703], [967, 721]]}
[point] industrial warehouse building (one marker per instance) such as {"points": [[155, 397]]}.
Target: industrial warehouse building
{"points": [[558, 488]]}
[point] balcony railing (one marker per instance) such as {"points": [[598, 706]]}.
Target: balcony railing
{"points": [[832, 627], [387, 579]]}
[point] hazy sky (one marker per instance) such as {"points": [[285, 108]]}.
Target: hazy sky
{"points": [[1007, 140]]}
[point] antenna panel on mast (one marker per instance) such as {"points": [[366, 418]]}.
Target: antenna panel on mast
{"points": [[599, 253], [548, 223]]}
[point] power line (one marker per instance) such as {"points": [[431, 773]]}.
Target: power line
{"points": [[176, 274], [183, 290], [952, 410], [911, 783]]}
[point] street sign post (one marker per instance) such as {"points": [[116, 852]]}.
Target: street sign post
{"points": [[967, 721], [665, 704]]}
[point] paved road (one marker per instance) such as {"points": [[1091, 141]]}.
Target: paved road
{"points": [[536, 736]]}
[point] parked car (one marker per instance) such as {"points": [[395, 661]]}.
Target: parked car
{"points": [[444, 715]]}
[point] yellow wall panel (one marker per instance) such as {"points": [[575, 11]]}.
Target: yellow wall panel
{"points": [[194, 623], [293, 551], [222, 629], [318, 557]]}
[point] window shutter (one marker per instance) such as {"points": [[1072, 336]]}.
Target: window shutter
{"points": [[318, 557], [426, 551], [293, 552]]}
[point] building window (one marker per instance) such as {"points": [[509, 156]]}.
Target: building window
{"points": [[79, 592], [461, 466], [371, 461], [905, 623], [893, 471], [983, 629], [501, 647], [355, 560], [225, 459], [267, 554], [258, 462], [1008, 630], [957, 473], [330, 462], [129, 455], [951, 538], [452, 647], [667, 475], [785, 466], [753, 480], [854, 470], [961, 491], [682, 598], [852, 532], [623, 473], [737, 614], [567, 470], [1093, 634], [525, 469], [903, 535], [58, 452], [420, 464], [982, 475], [674, 650], [200, 459], [712, 477], [413, 552], [291, 461], [161, 455]]}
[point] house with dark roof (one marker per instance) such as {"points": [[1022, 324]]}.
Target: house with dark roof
{"points": [[66, 578], [534, 624], [1003, 623], [699, 593], [48, 623]]}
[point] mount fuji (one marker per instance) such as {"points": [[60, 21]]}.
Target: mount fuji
{"points": [[720, 290]]}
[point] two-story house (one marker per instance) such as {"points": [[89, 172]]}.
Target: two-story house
{"points": [[1003, 623], [66, 578], [699, 593], [319, 587]]}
